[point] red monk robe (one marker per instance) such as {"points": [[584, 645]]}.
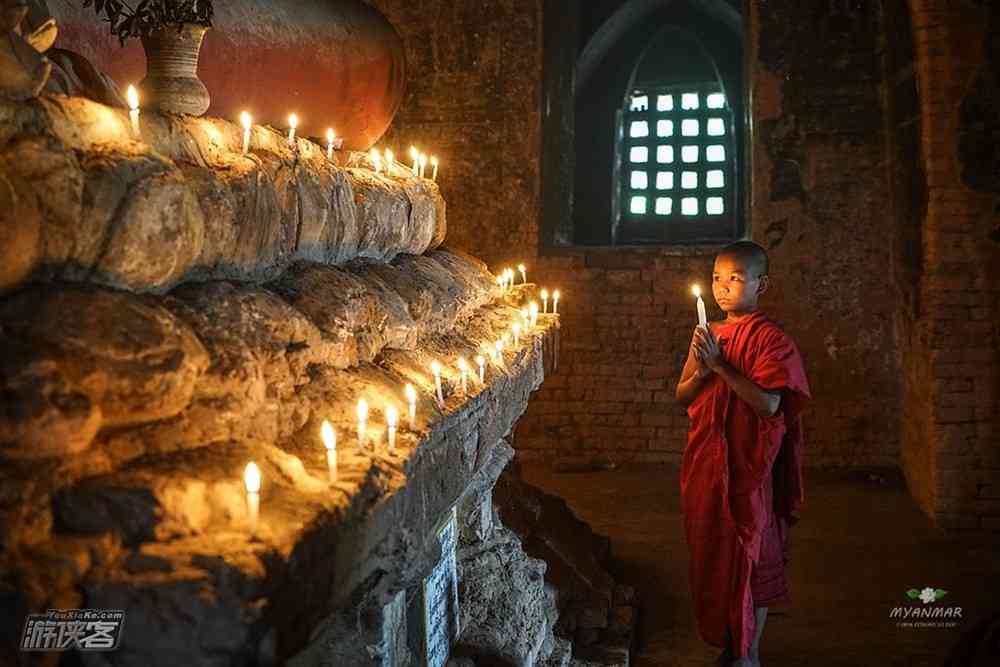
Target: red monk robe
{"points": [[741, 482]]}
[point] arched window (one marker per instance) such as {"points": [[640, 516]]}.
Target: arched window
{"points": [[675, 177], [657, 126]]}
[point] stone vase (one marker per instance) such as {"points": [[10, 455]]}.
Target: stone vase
{"points": [[172, 82]]}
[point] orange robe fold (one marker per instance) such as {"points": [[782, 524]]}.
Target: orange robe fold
{"points": [[741, 483]]}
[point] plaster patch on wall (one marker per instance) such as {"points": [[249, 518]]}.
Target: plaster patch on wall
{"points": [[829, 342]]}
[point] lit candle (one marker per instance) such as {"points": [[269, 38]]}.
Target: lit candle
{"points": [[411, 398], [509, 273], [702, 319], [389, 159], [500, 282], [247, 122], [482, 368], [376, 159], [524, 275], [436, 369], [517, 333], [545, 301], [251, 478], [415, 154], [330, 441], [423, 164], [391, 417], [434, 163], [293, 122], [133, 105], [362, 422], [330, 136], [525, 318], [499, 347], [533, 309], [463, 366], [555, 302]]}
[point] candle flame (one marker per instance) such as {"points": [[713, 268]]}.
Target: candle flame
{"points": [[246, 120], [695, 290], [423, 160], [435, 368], [555, 295], [389, 157], [362, 410], [521, 268], [133, 98], [251, 477], [463, 365], [434, 161], [329, 435], [545, 294], [411, 394], [330, 135], [391, 416], [293, 121], [517, 328], [533, 307], [480, 360], [414, 153]]}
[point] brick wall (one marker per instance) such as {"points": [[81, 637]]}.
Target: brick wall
{"points": [[957, 46], [883, 286]]}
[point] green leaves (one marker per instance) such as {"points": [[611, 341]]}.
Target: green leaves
{"points": [[913, 594], [150, 15]]}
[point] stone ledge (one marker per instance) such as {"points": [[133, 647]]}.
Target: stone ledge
{"points": [[81, 200]]}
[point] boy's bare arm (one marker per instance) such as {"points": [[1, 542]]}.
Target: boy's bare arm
{"points": [[691, 380]]}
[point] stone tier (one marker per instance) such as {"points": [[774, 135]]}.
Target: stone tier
{"points": [[133, 417], [81, 199]]}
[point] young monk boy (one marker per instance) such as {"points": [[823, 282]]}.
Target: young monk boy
{"points": [[741, 479]]}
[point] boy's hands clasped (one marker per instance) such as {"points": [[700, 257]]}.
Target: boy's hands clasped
{"points": [[706, 351]]}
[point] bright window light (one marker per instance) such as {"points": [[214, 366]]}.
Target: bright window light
{"points": [[664, 128], [689, 206], [664, 205], [689, 127], [689, 153], [715, 153], [638, 154], [664, 180], [715, 179], [639, 128], [664, 102], [638, 205], [716, 101], [689, 180], [639, 180], [716, 127], [689, 101], [714, 206], [664, 154], [639, 103]]}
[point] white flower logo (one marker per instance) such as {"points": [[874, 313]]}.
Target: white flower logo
{"points": [[927, 595]]}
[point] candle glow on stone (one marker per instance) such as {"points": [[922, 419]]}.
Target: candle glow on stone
{"points": [[362, 422], [463, 366], [481, 361], [293, 122], [545, 301], [133, 105], [434, 163], [247, 122], [330, 136], [251, 478], [411, 398], [391, 417], [330, 442], [436, 369]]}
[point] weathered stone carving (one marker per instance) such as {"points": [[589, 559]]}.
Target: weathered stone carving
{"points": [[23, 68]]}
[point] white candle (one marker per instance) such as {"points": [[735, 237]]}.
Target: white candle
{"points": [[293, 122], [545, 301], [423, 164], [555, 302], [524, 275], [415, 154], [510, 277], [362, 422], [390, 158], [702, 319], [533, 309], [499, 347], [251, 478], [330, 442], [391, 417], [330, 136], [376, 159], [482, 368], [517, 333], [525, 318], [463, 366], [434, 163], [133, 105], [500, 283], [247, 122], [436, 369], [411, 398]]}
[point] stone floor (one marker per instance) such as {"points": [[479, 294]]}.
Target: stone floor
{"points": [[861, 545]]}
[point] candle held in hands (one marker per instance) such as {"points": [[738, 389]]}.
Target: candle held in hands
{"points": [[702, 319]]}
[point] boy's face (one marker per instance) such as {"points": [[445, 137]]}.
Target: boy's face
{"points": [[737, 285]]}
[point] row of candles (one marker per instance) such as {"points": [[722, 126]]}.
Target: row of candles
{"points": [[378, 158], [528, 319], [506, 282]]}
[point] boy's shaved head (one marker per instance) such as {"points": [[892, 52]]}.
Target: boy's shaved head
{"points": [[749, 254]]}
